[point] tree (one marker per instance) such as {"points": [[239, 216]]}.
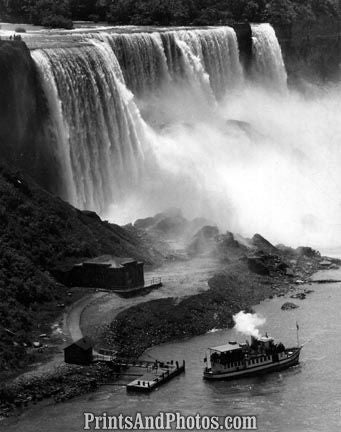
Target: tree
{"points": [[83, 9], [50, 13], [280, 12], [121, 11], [251, 12]]}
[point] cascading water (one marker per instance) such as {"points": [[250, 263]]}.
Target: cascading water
{"points": [[142, 60], [98, 127], [170, 118], [59, 127], [268, 66], [99, 130], [219, 55]]}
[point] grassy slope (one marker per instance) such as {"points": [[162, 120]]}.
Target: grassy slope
{"points": [[38, 231]]}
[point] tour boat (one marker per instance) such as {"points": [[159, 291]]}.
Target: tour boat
{"points": [[234, 360]]}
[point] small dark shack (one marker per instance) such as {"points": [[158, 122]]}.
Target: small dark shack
{"points": [[80, 352]]}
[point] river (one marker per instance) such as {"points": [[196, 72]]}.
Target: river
{"points": [[305, 398]]}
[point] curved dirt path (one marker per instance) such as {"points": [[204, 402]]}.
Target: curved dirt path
{"points": [[180, 279]]}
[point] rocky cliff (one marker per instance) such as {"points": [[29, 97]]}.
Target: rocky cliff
{"points": [[23, 112], [311, 51]]}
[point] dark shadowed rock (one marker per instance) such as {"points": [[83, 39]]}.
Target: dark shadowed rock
{"points": [[262, 244], [307, 252], [286, 250], [230, 242], [290, 272], [91, 214], [257, 266], [300, 296], [289, 306], [229, 248]]}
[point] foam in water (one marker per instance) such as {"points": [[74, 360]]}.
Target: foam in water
{"points": [[152, 120]]}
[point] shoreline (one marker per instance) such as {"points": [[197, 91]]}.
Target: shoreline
{"points": [[168, 321], [208, 310]]}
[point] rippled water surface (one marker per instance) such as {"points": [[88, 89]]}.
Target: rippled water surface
{"points": [[305, 398]]}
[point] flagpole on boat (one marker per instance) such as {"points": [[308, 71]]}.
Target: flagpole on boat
{"points": [[298, 339]]}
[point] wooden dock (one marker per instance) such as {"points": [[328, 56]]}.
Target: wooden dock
{"points": [[157, 376], [156, 372]]}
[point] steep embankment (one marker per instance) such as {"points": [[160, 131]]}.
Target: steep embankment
{"points": [[38, 231]]}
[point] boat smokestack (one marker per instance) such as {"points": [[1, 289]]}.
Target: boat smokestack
{"points": [[254, 340]]}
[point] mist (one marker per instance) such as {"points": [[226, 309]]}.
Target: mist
{"points": [[185, 125], [257, 161]]}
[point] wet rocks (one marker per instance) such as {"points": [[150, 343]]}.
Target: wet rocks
{"points": [[300, 296], [62, 384], [257, 266], [289, 306], [307, 252], [308, 291], [262, 244]]}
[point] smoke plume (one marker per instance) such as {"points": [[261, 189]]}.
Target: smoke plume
{"points": [[248, 324]]}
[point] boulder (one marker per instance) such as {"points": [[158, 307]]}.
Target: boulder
{"points": [[289, 306], [257, 266], [262, 244], [325, 263], [290, 272], [90, 214], [300, 296], [308, 291], [307, 252]]}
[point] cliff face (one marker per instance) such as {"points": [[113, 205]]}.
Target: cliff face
{"points": [[311, 51], [244, 37], [23, 114]]}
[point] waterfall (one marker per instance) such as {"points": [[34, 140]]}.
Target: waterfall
{"points": [[219, 55], [96, 90], [96, 122], [59, 126], [268, 66], [141, 58]]}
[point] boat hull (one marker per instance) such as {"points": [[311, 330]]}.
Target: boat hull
{"points": [[276, 366]]}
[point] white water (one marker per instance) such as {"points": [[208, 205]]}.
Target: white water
{"points": [[174, 144]]}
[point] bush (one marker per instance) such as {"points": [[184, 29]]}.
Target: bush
{"points": [[20, 30], [57, 21]]}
